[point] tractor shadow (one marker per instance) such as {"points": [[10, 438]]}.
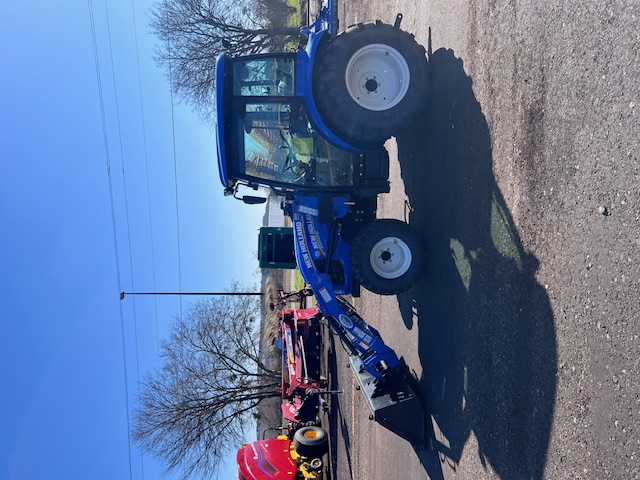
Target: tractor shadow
{"points": [[340, 448], [487, 341]]}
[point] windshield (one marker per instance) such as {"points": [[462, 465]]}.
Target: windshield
{"points": [[280, 145]]}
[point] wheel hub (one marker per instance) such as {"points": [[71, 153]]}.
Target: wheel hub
{"points": [[371, 85], [390, 258], [377, 77]]}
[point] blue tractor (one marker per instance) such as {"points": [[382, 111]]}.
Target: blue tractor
{"points": [[310, 126]]}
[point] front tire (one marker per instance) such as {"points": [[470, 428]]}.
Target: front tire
{"points": [[311, 442], [387, 257], [370, 83]]}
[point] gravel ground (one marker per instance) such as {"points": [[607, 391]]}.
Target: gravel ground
{"points": [[523, 177]]}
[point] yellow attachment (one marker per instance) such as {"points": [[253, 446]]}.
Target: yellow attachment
{"points": [[304, 471], [308, 475]]}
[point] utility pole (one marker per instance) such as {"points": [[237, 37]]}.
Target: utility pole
{"points": [[122, 294]]}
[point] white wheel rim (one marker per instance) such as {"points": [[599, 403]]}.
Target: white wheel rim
{"points": [[377, 77], [390, 258]]}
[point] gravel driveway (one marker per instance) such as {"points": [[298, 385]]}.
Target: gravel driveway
{"points": [[523, 177]]}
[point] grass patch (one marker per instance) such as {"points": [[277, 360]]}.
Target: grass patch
{"points": [[298, 281], [300, 18], [297, 19]]}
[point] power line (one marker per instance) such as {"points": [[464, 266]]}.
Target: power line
{"points": [[175, 174], [146, 166], [126, 205], [114, 228]]}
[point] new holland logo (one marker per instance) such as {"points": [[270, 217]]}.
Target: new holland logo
{"points": [[345, 321]]}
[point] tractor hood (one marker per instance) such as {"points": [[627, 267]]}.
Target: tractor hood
{"points": [[266, 460]]}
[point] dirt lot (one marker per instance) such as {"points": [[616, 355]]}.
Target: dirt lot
{"points": [[523, 176]]}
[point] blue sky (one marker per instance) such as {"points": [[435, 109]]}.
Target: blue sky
{"points": [[63, 405]]}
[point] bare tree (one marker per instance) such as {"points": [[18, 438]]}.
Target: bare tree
{"points": [[194, 32], [201, 403], [275, 12]]}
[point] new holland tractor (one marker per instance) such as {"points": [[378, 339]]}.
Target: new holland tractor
{"points": [[311, 126]]}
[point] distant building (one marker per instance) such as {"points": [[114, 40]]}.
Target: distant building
{"points": [[274, 216]]}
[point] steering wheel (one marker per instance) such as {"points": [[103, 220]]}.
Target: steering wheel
{"points": [[297, 167]]}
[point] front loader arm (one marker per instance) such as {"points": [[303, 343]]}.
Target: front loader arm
{"points": [[323, 259], [318, 246]]}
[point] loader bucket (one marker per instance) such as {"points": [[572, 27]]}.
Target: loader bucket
{"points": [[394, 404]]}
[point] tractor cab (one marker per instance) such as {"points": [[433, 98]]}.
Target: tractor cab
{"points": [[269, 133]]}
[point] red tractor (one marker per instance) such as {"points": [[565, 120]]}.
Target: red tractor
{"points": [[297, 455], [284, 458]]}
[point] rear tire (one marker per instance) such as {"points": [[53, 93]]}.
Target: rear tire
{"points": [[311, 442], [370, 83], [387, 257]]}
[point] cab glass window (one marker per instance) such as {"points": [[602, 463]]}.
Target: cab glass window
{"points": [[265, 77], [281, 145]]}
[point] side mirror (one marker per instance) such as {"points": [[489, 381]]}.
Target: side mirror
{"points": [[250, 200]]}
